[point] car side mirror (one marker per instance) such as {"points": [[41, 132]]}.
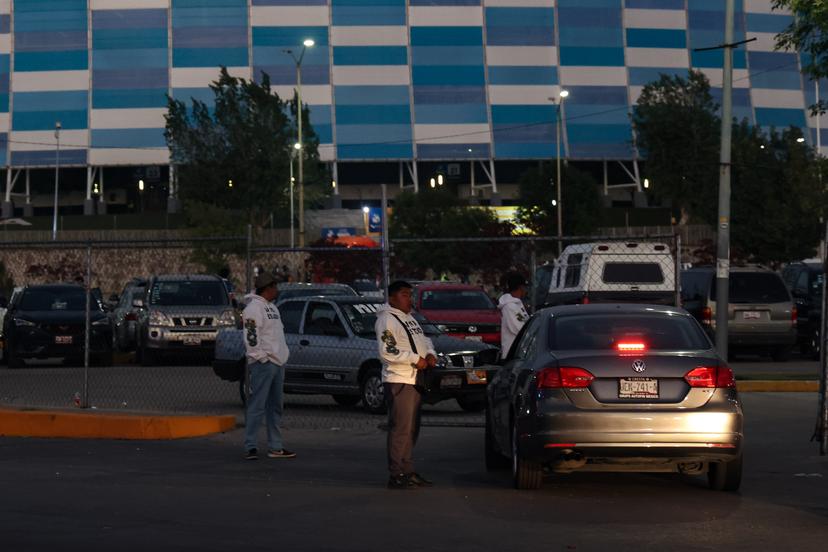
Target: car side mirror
{"points": [[138, 303]]}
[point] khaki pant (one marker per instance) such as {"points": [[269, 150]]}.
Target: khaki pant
{"points": [[403, 425]]}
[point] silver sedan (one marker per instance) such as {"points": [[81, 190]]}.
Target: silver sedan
{"points": [[614, 388]]}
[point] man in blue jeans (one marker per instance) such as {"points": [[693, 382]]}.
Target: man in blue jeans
{"points": [[267, 353]]}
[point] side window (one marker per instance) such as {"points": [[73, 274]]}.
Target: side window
{"points": [[291, 313], [526, 345], [320, 318], [802, 282], [573, 270], [789, 275]]}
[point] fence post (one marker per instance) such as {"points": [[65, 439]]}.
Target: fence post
{"points": [[533, 273], [248, 269], [386, 244], [677, 241], [822, 418], [87, 323]]}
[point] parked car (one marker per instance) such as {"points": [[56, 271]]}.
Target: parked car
{"points": [[299, 289], [761, 314], [461, 310], [182, 313], [333, 351], [367, 288], [612, 272], [125, 314], [614, 387], [804, 280], [49, 321]]}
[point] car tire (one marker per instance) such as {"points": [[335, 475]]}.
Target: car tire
{"points": [[471, 404], [371, 392], [494, 460], [725, 476], [347, 400], [526, 475], [781, 354]]}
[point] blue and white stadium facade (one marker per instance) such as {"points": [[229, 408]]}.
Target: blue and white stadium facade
{"points": [[403, 81]]}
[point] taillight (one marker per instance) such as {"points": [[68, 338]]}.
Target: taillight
{"points": [[566, 377], [794, 316], [710, 377], [707, 315], [630, 347], [585, 300]]}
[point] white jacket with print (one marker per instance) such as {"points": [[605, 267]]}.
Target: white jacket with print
{"points": [[264, 334], [398, 359], [512, 318]]}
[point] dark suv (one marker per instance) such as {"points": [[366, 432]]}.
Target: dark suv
{"points": [[49, 321], [804, 280], [761, 314]]}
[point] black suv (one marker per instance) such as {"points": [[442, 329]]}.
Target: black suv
{"points": [[49, 321], [804, 279]]}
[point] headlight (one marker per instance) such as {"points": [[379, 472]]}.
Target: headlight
{"points": [[21, 322], [158, 318], [227, 318], [101, 322]]}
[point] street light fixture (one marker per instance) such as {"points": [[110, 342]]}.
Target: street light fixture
{"points": [[141, 195], [307, 43], [432, 183], [646, 183], [230, 183], [439, 179]]}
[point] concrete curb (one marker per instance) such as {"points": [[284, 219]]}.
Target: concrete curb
{"points": [[102, 425], [774, 386]]}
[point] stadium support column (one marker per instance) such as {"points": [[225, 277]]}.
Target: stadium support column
{"points": [[173, 203], [89, 203], [8, 206], [101, 194], [28, 208]]}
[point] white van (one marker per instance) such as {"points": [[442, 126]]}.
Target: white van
{"points": [[613, 272]]}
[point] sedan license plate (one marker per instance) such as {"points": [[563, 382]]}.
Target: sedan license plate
{"points": [[638, 388], [751, 315], [191, 340], [449, 382], [476, 377], [474, 337], [63, 339]]}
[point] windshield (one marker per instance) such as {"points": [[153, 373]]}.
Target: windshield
{"points": [[56, 300], [456, 299], [363, 316], [658, 332], [188, 293]]}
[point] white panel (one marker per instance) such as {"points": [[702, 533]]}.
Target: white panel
{"points": [[312, 94], [4, 121], [635, 93], [128, 4], [452, 134], [5, 6], [39, 81], [765, 42], [760, 6], [655, 19], [289, 16], [593, 76], [5, 44], [740, 77], [445, 16], [658, 57], [327, 152], [764, 97], [522, 55], [371, 74], [119, 156], [369, 36], [197, 77], [37, 140], [520, 3], [151, 117], [500, 94]]}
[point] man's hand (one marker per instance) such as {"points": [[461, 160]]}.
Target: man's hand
{"points": [[422, 364], [431, 360]]}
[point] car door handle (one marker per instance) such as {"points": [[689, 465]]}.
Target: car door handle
{"points": [[304, 342]]}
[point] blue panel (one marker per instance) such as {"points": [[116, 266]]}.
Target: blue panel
{"points": [[522, 114], [51, 61], [767, 23], [5, 23], [4, 102], [290, 2], [32, 158], [715, 59], [436, 114], [520, 27], [594, 37], [188, 94], [448, 75], [523, 75], [446, 36], [108, 39], [656, 38], [606, 57], [655, 4], [445, 2], [370, 55], [437, 55], [286, 74], [779, 117], [289, 37], [208, 13], [119, 99], [129, 138], [505, 150], [371, 95], [373, 114], [621, 134], [34, 101], [136, 59], [367, 15], [209, 57], [640, 76], [129, 19], [210, 37], [440, 94], [45, 119], [538, 132]]}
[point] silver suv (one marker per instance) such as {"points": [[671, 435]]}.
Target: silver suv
{"points": [[182, 313]]}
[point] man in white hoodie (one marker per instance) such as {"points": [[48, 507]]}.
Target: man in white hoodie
{"points": [[404, 349], [513, 315]]}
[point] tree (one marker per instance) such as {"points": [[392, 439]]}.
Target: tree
{"points": [[235, 154], [807, 34], [678, 132], [580, 196]]}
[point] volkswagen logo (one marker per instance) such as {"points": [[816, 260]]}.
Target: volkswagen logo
{"points": [[639, 366], [472, 329]]}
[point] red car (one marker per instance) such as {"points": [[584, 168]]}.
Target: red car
{"points": [[460, 310]]}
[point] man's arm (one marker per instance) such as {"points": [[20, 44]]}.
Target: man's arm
{"points": [[511, 318]]}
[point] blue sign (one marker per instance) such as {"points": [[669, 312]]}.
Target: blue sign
{"points": [[375, 220], [330, 233]]}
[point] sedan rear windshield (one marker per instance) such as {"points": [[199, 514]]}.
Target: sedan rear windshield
{"points": [[188, 293], [456, 299], [755, 287], [56, 300], [658, 332], [633, 273]]}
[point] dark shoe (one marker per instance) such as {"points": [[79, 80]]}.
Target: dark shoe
{"points": [[251, 454], [283, 453], [419, 480], [401, 482]]}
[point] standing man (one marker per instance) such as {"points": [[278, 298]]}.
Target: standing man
{"points": [[267, 353], [404, 349], [513, 315]]}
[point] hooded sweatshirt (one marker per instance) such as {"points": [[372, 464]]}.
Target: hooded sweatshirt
{"points": [[512, 318], [398, 358], [264, 334]]}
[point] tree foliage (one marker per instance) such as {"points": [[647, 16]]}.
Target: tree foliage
{"points": [[808, 34], [246, 137]]}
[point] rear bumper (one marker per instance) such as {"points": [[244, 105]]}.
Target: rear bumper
{"points": [[163, 339]]}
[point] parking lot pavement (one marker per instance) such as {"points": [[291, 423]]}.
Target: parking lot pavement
{"points": [[199, 494]]}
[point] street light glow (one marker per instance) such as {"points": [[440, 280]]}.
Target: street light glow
{"points": [[554, 203], [563, 93], [432, 183], [366, 209], [333, 183], [646, 183], [140, 185], [440, 179], [308, 42], [297, 146], [800, 140], [230, 183]]}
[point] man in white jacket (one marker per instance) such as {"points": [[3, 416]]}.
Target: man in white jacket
{"points": [[513, 315], [266, 352], [404, 349]]}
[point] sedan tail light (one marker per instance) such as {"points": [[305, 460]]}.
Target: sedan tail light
{"points": [[794, 316], [707, 315], [710, 377], [565, 377]]}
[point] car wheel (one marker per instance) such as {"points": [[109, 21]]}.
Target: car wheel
{"points": [[471, 404], [782, 354], [347, 400], [526, 475], [373, 395], [725, 476], [494, 460], [148, 357]]}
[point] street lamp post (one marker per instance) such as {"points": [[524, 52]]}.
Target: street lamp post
{"points": [[296, 147], [562, 95], [57, 180], [365, 211], [305, 45]]}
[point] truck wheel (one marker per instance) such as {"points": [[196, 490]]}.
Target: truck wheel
{"points": [[372, 393]]}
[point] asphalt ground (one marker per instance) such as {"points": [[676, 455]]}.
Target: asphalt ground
{"points": [[199, 494]]}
